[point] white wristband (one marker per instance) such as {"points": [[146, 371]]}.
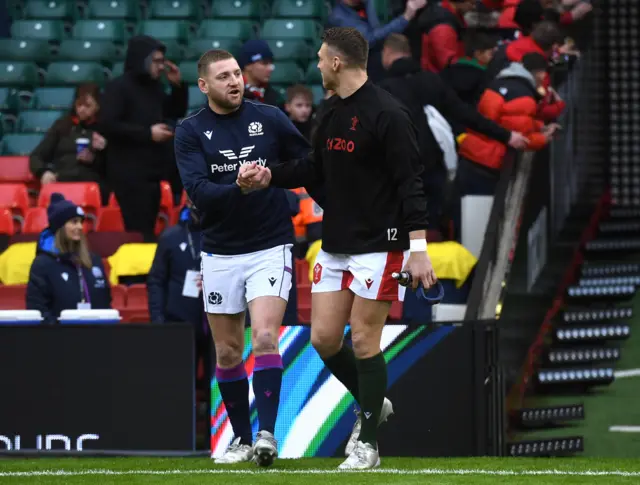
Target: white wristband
{"points": [[417, 245]]}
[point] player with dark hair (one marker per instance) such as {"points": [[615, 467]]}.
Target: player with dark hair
{"points": [[246, 242], [366, 155]]}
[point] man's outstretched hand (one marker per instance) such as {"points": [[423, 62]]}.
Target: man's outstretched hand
{"points": [[253, 177]]}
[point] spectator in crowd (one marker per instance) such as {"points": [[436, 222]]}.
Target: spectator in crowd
{"points": [[256, 62], [442, 26], [307, 223], [511, 100], [468, 75], [299, 106], [524, 14], [362, 15], [72, 150], [137, 118], [416, 89], [174, 284], [64, 274]]}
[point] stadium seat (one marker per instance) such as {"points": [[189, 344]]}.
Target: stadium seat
{"points": [[304, 302], [53, 98], [13, 297], [15, 170], [395, 312], [18, 74], [289, 49], [313, 75], [226, 29], [7, 99], [104, 244], [117, 69], [164, 29], [196, 98], [174, 51], [382, 9], [189, 71], [84, 194], [15, 198], [166, 197], [7, 226], [36, 220], [65, 73], [112, 30], [237, 9], [299, 9], [291, 29], [318, 93], [197, 47], [52, 30], [35, 50], [137, 298], [285, 72], [20, 143], [47, 9], [120, 9], [86, 50], [302, 272], [118, 297], [36, 121], [110, 220], [174, 9]]}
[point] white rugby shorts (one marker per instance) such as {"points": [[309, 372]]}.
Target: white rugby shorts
{"points": [[366, 275], [229, 282]]}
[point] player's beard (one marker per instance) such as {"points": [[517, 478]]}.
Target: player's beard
{"points": [[225, 102]]}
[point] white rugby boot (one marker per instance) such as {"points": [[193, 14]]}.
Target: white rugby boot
{"points": [[385, 412], [363, 457], [265, 449], [236, 453]]}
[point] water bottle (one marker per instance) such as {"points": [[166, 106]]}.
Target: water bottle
{"points": [[403, 278]]}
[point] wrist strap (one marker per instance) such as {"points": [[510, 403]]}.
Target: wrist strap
{"points": [[417, 245]]}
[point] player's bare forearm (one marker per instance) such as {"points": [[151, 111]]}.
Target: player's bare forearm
{"points": [[421, 234]]}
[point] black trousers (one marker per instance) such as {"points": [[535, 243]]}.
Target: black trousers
{"points": [[139, 202]]}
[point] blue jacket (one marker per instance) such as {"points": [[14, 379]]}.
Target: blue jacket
{"points": [[344, 16], [166, 278], [54, 284]]}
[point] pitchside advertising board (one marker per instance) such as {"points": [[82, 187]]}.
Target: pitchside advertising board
{"points": [[433, 383], [96, 387]]}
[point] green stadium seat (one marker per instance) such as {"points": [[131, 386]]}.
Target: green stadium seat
{"points": [[290, 29], [111, 30], [38, 29], [174, 52], [117, 69], [198, 47], [22, 74], [196, 98], [226, 29], [189, 71], [65, 73], [382, 9], [20, 143], [49, 9], [24, 50], [164, 29], [281, 89], [318, 93], [7, 99], [86, 50], [114, 9], [238, 9], [289, 49], [313, 75], [286, 72], [56, 98], [174, 9], [35, 121], [299, 9]]}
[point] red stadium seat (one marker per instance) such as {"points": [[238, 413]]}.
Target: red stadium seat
{"points": [[137, 297], [15, 170], [84, 194], [166, 198], [36, 220], [110, 219], [6, 222], [128, 315], [15, 198], [302, 272], [118, 297], [12, 297], [105, 244], [183, 198], [395, 313], [304, 302], [113, 202]]}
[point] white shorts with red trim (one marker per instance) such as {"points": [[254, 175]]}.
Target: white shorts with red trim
{"points": [[366, 275]]}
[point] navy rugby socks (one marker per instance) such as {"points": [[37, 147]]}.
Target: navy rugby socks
{"points": [[234, 388]]}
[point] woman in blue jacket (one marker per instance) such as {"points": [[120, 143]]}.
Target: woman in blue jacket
{"points": [[64, 275]]}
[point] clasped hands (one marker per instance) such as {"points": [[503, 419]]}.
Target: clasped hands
{"points": [[252, 176]]}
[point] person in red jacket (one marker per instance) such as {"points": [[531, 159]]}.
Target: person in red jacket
{"points": [[509, 16], [511, 101], [442, 25]]}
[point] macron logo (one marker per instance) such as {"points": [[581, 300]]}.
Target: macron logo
{"points": [[244, 153], [208, 134]]}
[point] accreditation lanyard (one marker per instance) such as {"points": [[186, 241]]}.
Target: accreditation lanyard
{"points": [[84, 289]]}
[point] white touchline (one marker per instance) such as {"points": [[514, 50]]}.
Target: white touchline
{"points": [[626, 373], [625, 429], [390, 471]]}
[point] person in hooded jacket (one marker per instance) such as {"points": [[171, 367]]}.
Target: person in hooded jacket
{"points": [[136, 117], [65, 275]]}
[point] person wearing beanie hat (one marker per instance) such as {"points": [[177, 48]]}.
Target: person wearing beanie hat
{"points": [[65, 275], [256, 62]]}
